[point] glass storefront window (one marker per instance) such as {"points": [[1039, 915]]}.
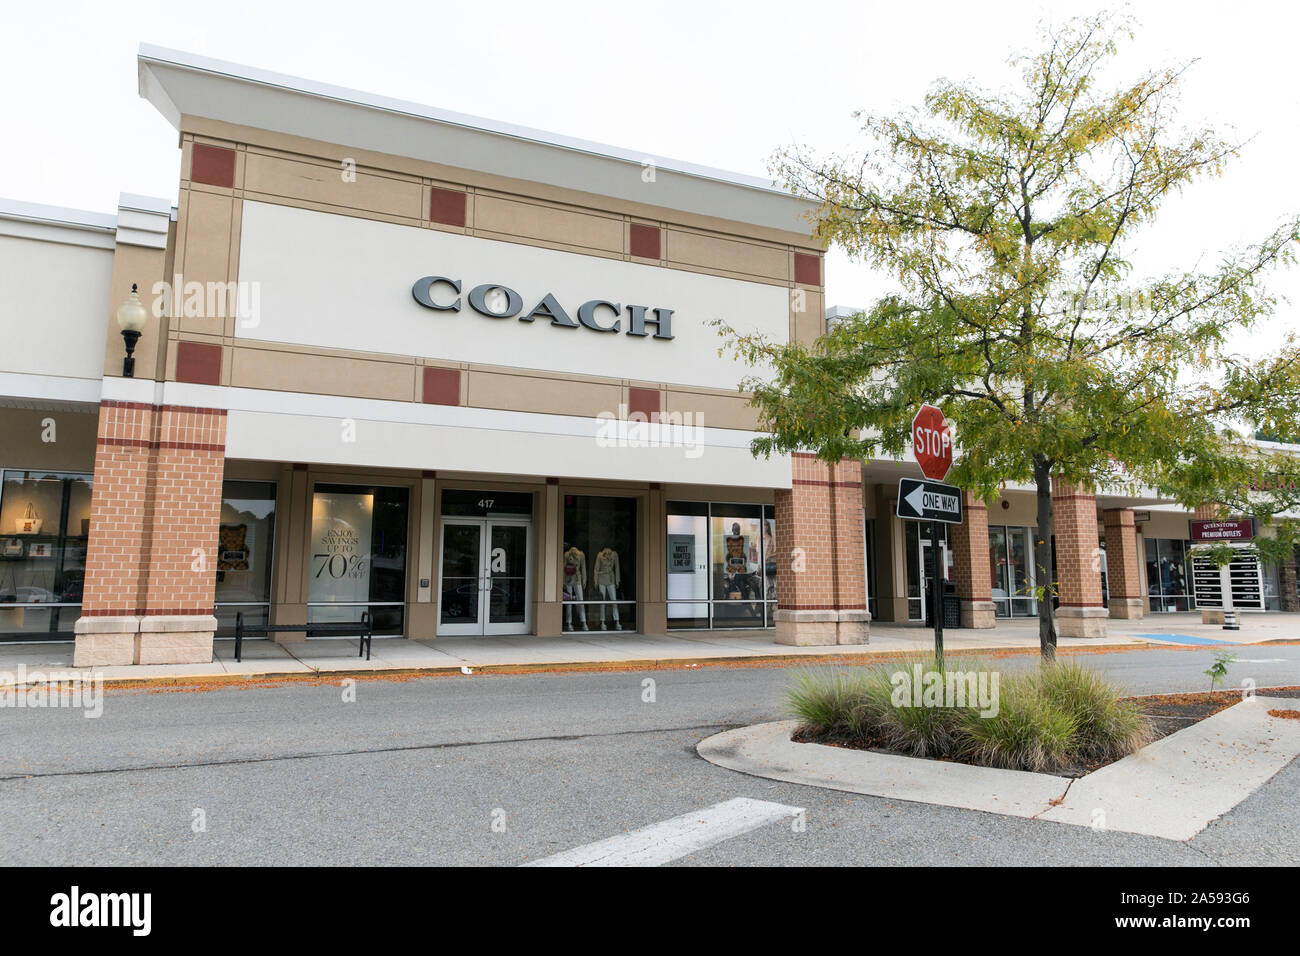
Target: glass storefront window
{"points": [[245, 545], [1000, 567], [44, 531], [722, 565], [736, 561], [1105, 574], [1272, 588], [870, 545], [912, 545], [598, 558], [357, 559], [1011, 562], [1169, 586], [688, 564]]}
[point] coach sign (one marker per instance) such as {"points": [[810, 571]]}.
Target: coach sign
{"points": [[1242, 529], [503, 302], [340, 282]]}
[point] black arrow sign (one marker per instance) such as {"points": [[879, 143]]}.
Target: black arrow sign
{"points": [[929, 501]]}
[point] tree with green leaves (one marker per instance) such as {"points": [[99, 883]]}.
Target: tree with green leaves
{"points": [[1005, 221]]}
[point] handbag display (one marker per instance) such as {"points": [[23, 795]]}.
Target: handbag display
{"points": [[30, 522]]}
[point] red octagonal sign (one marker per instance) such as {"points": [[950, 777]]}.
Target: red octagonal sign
{"points": [[932, 443]]}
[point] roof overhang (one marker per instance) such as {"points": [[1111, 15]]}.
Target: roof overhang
{"points": [[182, 84]]}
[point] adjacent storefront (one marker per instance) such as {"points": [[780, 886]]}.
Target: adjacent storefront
{"points": [[44, 527]]}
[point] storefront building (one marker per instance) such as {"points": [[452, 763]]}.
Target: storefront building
{"points": [[459, 377]]}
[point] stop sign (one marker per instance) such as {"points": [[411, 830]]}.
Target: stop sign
{"points": [[932, 443]]}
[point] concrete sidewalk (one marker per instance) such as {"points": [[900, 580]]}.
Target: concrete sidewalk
{"points": [[449, 655]]}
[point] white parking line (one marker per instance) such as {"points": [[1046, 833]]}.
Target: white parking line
{"points": [[664, 842]]}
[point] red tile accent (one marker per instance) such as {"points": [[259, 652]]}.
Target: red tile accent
{"points": [[441, 386], [645, 401], [198, 363], [447, 206], [807, 269], [214, 165], [645, 241]]}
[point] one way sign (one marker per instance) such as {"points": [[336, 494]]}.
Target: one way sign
{"points": [[929, 501]]}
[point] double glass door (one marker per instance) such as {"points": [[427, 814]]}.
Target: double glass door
{"points": [[921, 554], [484, 576]]}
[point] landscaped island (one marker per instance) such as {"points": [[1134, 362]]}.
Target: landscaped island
{"points": [[1058, 717]]}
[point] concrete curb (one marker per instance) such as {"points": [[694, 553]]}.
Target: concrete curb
{"points": [[1171, 789], [450, 670], [306, 671]]}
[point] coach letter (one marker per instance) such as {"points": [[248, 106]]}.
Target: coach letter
{"points": [[423, 293]]}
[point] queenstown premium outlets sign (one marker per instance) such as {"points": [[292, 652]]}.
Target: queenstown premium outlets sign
{"points": [[497, 301], [1241, 529]]}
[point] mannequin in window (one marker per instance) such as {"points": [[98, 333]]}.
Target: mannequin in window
{"points": [[606, 576], [575, 573]]}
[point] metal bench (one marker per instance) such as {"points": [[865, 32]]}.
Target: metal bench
{"points": [[364, 630]]}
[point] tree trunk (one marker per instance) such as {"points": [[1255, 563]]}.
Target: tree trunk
{"points": [[1043, 560]]}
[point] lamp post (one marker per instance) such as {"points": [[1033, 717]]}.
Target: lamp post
{"points": [[131, 319]]}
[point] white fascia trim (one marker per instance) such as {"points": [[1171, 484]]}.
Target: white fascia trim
{"points": [[140, 390], [408, 413], [150, 204], [143, 221], [50, 388], [74, 227]]}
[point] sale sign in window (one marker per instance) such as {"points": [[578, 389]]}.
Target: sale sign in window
{"points": [[341, 526]]}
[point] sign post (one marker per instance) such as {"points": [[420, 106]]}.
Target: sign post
{"points": [[932, 500]]}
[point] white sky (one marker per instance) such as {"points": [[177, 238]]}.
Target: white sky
{"points": [[721, 84]]}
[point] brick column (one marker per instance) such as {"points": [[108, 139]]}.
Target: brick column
{"points": [[1078, 563], [970, 563], [821, 580], [1122, 567], [151, 558]]}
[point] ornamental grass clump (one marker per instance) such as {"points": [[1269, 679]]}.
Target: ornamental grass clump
{"points": [[823, 698], [910, 722], [1106, 726], [1030, 731]]}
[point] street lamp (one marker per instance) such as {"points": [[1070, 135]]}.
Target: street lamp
{"points": [[131, 319]]}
